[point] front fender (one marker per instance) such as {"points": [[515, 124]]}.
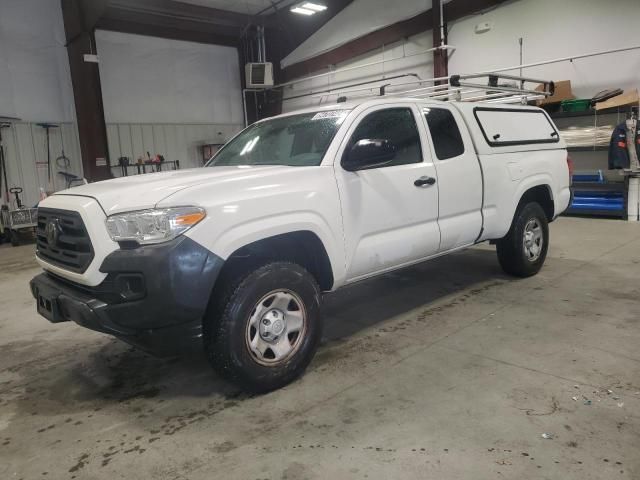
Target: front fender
{"points": [[238, 235]]}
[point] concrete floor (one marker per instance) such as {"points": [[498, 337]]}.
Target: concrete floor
{"points": [[449, 370]]}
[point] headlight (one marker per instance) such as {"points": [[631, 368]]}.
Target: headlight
{"points": [[153, 226]]}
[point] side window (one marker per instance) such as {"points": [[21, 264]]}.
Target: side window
{"points": [[447, 140], [396, 125]]}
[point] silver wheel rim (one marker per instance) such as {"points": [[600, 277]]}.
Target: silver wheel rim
{"points": [[276, 327], [533, 240]]}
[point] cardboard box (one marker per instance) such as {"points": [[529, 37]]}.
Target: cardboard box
{"points": [[629, 97], [562, 92]]}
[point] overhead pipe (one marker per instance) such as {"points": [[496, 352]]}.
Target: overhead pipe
{"points": [[244, 102], [570, 58]]}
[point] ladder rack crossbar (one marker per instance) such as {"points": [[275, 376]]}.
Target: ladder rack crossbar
{"points": [[457, 87]]}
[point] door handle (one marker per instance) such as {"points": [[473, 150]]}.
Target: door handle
{"points": [[424, 182]]}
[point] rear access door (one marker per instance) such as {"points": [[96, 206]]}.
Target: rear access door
{"points": [[460, 183]]}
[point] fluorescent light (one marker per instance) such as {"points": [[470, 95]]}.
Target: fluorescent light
{"points": [[302, 11], [314, 6]]}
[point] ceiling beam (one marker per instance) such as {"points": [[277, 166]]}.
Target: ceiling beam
{"points": [[386, 36], [170, 32], [174, 20], [184, 12]]}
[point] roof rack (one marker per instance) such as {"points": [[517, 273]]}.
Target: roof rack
{"points": [[499, 88]]}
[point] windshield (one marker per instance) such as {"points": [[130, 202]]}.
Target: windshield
{"points": [[295, 140]]}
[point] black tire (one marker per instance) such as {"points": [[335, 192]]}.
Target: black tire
{"points": [[513, 256], [228, 330], [15, 238]]}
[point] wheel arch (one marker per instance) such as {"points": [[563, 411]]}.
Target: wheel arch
{"points": [[302, 247], [541, 194], [537, 190]]}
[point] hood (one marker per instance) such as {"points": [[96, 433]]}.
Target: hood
{"points": [[138, 192]]}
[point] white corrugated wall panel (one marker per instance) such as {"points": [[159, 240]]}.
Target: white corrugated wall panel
{"points": [[174, 141], [26, 154]]}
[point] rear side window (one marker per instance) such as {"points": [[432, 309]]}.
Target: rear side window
{"points": [[396, 125], [510, 126], [445, 133]]}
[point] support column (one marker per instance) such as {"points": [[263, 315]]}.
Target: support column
{"points": [[87, 93], [440, 57]]}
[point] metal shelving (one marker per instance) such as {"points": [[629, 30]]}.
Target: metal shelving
{"points": [[602, 198], [594, 148]]}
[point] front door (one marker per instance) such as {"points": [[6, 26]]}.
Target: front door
{"points": [[390, 213]]}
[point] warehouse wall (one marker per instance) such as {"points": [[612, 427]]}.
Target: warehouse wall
{"points": [[199, 86], [167, 97], [550, 29], [35, 85], [26, 152], [175, 141]]}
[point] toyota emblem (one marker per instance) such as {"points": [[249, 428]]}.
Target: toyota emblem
{"points": [[52, 230]]}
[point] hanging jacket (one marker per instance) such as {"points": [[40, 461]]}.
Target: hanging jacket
{"points": [[618, 152]]}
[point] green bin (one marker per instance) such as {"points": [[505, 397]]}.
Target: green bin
{"points": [[578, 105]]}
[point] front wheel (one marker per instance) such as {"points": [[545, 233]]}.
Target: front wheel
{"points": [[265, 333], [523, 250]]}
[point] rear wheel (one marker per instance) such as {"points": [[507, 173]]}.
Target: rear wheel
{"points": [[264, 334], [523, 250]]}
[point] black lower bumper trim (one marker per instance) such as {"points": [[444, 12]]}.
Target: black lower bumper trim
{"points": [[164, 319]]}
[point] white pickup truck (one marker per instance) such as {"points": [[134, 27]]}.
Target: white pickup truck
{"points": [[236, 255]]}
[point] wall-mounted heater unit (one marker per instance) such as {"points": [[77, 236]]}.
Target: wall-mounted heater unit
{"points": [[259, 75]]}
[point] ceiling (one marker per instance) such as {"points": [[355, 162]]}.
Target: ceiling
{"points": [[249, 7]]}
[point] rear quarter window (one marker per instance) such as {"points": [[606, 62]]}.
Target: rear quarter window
{"points": [[445, 134], [505, 126]]}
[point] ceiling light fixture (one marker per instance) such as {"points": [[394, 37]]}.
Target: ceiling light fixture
{"points": [[308, 8], [302, 11], [316, 7]]}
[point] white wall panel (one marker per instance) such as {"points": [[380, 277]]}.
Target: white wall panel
{"points": [[35, 83], [399, 59], [154, 80], [26, 153], [553, 29]]}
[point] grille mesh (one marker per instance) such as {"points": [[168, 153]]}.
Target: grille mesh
{"points": [[72, 250]]}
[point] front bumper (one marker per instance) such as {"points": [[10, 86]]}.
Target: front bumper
{"points": [[154, 297]]}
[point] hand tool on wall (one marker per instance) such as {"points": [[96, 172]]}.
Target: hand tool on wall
{"points": [[62, 161], [16, 191], [47, 127], [5, 122], [3, 168]]}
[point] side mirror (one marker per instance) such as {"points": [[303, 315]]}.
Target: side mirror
{"points": [[369, 153]]}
